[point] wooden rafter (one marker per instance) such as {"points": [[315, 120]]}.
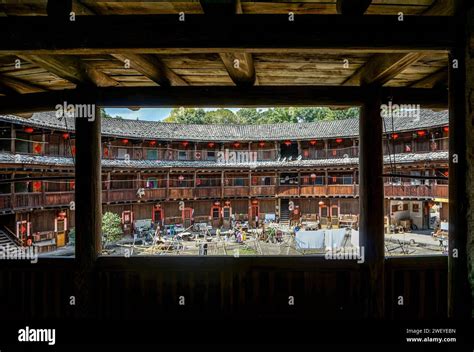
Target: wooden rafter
{"points": [[11, 85], [71, 69], [153, 68], [436, 79], [381, 68]]}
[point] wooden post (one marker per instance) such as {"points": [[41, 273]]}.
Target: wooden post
{"points": [[167, 184], [371, 200], [459, 296], [108, 186], [222, 184], [88, 209], [194, 185], [12, 141]]}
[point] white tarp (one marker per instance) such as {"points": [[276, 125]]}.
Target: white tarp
{"points": [[310, 239], [334, 238]]}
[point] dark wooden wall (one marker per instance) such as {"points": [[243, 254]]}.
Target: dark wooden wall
{"points": [[224, 287]]}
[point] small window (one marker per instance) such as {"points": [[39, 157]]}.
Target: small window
{"points": [[215, 213], [405, 207], [152, 154], [152, 183], [416, 207], [211, 155], [121, 153], [324, 212], [182, 155], [226, 213], [238, 182]]}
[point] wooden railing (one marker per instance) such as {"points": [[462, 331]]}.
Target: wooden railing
{"points": [[207, 192], [238, 191], [5, 201], [36, 199], [58, 198], [262, 190]]}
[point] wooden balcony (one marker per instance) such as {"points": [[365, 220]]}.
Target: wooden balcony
{"points": [[178, 193], [28, 200], [287, 190], [318, 190], [117, 195], [58, 198], [431, 191], [340, 190], [5, 201], [154, 193], [262, 190], [239, 191], [207, 192]]}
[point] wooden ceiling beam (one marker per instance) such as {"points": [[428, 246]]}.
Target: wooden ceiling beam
{"points": [[442, 8], [153, 68], [203, 32], [433, 80], [381, 68], [352, 7], [239, 66], [221, 96], [71, 69]]}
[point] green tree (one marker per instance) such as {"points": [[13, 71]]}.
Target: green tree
{"points": [[249, 115], [186, 115], [221, 116], [111, 228]]}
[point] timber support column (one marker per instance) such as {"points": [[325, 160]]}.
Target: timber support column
{"points": [[371, 200], [459, 292], [88, 210]]}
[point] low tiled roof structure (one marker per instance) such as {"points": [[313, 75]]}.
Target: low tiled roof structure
{"points": [[113, 127], [159, 164]]}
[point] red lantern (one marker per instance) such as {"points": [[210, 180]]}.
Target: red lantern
{"points": [[313, 176], [305, 153], [339, 140], [29, 129], [185, 144], [255, 201], [198, 181], [446, 129], [72, 184], [395, 136], [36, 186], [211, 144], [106, 151], [152, 143], [124, 141], [73, 150], [217, 203], [313, 142], [421, 133], [237, 144], [181, 178], [261, 144], [65, 135], [446, 174], [37, 148], [227, 203], [62, 215], [287, 143]]}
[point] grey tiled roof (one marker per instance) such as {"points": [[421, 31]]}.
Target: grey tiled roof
{"points": [[158, 164], [227, 132]]}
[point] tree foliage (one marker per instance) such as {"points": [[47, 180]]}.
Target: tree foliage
{"points": [[258, 116], [111, 227]]}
